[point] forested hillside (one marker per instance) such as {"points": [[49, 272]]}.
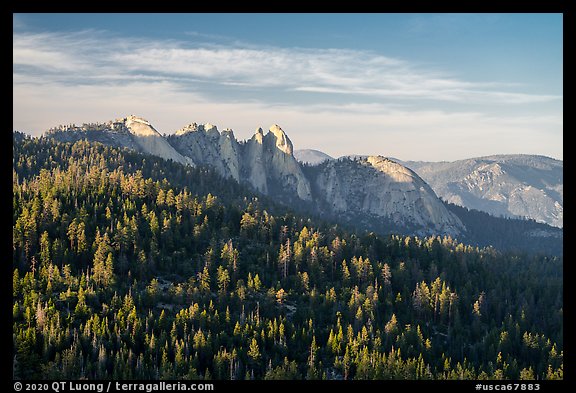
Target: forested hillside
{"points": [[128, 266], [509, 234]]}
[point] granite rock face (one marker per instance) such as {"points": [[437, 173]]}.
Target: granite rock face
{"points": [[206, 145], [274, 157], [378, 187], [265, 161]]}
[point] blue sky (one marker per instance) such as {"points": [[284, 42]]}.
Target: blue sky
{"points": [[413, 86]]}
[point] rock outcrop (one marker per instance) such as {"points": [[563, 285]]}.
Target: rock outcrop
{"points": [[270, 163], [379, 187], [266, 162], [207, 146], [254, 165]]}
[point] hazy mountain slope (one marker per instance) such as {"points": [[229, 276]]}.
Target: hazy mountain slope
{"points": [[311, 156], [503, 185]]}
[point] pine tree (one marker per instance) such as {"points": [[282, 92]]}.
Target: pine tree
{"points": [[223, 279], [102, 270]]}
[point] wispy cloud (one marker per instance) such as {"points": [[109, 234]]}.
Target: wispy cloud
{"points": [[90, 55]]}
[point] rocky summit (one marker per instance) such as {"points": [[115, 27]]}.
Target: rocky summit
{"points": [[209, 147], [264, 161]]}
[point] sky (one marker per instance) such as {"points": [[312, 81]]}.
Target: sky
{"points": [[429, 87]]}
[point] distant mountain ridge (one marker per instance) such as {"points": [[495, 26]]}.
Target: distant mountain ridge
{"points": [[311, 156], [361, 190], [515, 185]]}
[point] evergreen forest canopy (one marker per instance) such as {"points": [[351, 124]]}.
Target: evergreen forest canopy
{"points": [[126, 266]]}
